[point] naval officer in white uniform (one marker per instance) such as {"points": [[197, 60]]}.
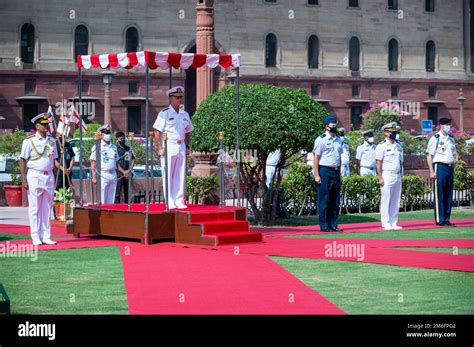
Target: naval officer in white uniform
{"points": [[365, 154], [389, 156], [108, 166], [37, 160], [176, 123]]}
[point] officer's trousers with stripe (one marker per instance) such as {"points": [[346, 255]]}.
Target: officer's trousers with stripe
{"points": [[443, 192], [391, 193]]}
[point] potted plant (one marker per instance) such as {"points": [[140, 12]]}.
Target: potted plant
{"points": [[10, 148], [63, 203]]}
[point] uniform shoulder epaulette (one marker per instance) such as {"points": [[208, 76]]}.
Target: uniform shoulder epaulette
{"points": [[436, 135], [31, 136], [322, 135], [165, 109]]}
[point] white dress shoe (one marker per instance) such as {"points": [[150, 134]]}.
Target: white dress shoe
{"points": [[171, 207], [182, 206], [397, 227], [37, 242], [49, 242]]}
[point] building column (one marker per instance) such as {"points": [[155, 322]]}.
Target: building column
{"points": [[204, 45]]}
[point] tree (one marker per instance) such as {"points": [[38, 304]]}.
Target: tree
{"points": [[270, 118]]}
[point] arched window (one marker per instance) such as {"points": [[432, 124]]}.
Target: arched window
{"points": [[354, 54], [313, 52], [270, 50], [27, 43], [131, 40], [81, 41], [430, 56], [393, 55]]}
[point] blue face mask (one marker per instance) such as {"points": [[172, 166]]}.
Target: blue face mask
{"points": [[332, 130]]}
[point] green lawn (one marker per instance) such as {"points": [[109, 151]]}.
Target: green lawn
{"points": [[10, 237], [439, 250], [364, 288], [73, 281], [373, 217], [423, 234]]}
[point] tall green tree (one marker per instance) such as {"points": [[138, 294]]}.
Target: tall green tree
{"points": [[270, 118]]}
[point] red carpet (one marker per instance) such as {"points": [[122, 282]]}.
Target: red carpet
{"points": [[170, 280], [356, 227], [375, 251]]}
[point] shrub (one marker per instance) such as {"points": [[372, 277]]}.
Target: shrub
{"points": [[463, 178], [10, 146], [413, 192], [299, 189], [362, 191], [202, 189]]}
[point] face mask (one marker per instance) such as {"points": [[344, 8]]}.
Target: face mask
{"points": [[107, 137], [397, 137], [332, 130], [393, 136], [446, 128], [122, 142], [370, 140]]}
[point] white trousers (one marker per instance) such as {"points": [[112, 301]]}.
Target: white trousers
{"points": [[365, 171], [269, 173], [108, 184], [391, 193], [40, 203], [176, 174]]}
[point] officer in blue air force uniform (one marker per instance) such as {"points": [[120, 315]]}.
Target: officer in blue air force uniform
{"points": [[327, 162], [37, 160], [441, 153]]}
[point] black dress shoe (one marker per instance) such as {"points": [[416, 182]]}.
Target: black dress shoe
{"points": [[449, 224], [337, 230], [325, 230], [440, 224]]}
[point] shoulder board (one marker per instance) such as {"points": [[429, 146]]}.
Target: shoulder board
{"points": [[381, 143], [30, 137], [451, 136], [165, 109], [322, 135], [436, 135]]}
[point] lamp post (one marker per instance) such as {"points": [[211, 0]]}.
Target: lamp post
{"points": [[461, 100], [107, 80]]}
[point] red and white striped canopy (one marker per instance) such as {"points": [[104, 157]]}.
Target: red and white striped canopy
{"points": [[153, 60]]}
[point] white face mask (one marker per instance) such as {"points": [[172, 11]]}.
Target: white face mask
{"points": [[397, 137], [107, 137], [446, 128], [370, 140]]}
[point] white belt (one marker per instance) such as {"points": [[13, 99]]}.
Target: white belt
{"points": [[178, 142]]}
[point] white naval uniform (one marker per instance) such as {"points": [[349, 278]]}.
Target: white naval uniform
{"points": [[345, 159], [366, 154], [391, 156], [108, 171], [270, 166], [40, 153], [176, 125]]}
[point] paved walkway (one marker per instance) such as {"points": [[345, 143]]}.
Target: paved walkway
{"points": [[14, 215]]}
